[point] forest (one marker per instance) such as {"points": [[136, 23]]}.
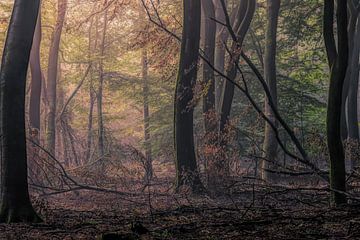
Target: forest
{"points": [[179, 119]]}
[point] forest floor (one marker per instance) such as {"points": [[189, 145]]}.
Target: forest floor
{"points": [[251, 212]]}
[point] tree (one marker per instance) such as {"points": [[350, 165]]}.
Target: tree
{"points": [[338, 62], [147, 139], [270, 141], [244, 17], [15, 200], [101, 131], [221, 37], [352, 99], [208, 73], [36, 81], [186, 167], [53, 75]]}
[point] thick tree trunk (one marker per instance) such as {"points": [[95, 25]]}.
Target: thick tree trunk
{"points": [[53, 76], [36, 80], [15, 200], [101, 131], [244, 18], [338, 62], [209, 40], [186, 167], [270, 142], [352, 112], [353, 13]]}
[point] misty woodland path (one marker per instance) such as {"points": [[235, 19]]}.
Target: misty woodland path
{"points": [[275, 214]]}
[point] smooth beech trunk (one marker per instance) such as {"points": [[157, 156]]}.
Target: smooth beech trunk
{"points": [[146, 112], [270, 142], [338, 62], [36, 81], [15, 200], [244, 17], [222, 36], [209, 40], [101, 131], [186, 166], [53, 76], [352, 109]]}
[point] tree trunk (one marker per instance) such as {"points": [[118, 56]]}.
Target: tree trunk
{"points": [[270, 142], [15, 200], [208, 73], [221, 38], [352, 113], [36, 80], [92, 93], [53, 75], [244, 18], [338, 62], [147, 138], [186, 167], [351, 31], [101, 133]]}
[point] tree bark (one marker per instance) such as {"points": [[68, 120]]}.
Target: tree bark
{"points": [[244, 18], [101, 132], [338, 62], [36, 80], [186, 166], [270, 143], [15, 200], [221, 37], [209, 40], [146, 112], [53, 76], [352, 109]]}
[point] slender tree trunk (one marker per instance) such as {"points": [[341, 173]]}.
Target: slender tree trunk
{"points": [[101, 134], [208, 73], [338, 62], [221, 37], [15, 200], [245, 16], [147, 138], [270, 142], [53, 76], [186, 166], [36, 80], [92, 94]]}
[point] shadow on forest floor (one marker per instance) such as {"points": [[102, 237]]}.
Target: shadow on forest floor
{"points": [[276, 213]]}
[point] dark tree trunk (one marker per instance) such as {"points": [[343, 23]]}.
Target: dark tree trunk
{"points": [[244, 18], [186, 167], [352, 109], [270, 142], [36, 80], [338, 62], [53, 75], [353, 13], [15, 200], [221, 37], [209, 40]]}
